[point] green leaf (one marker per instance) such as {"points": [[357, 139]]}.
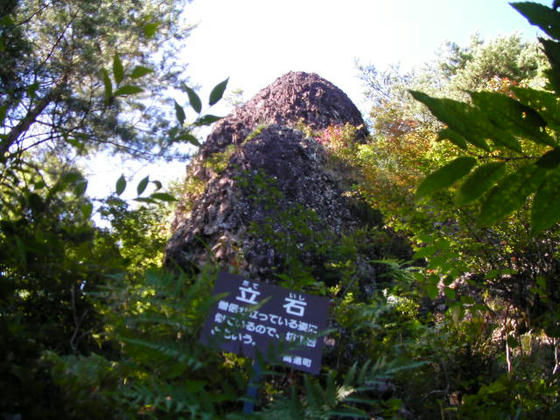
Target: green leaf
{"points": [[140, 71], [461, 118], [206, 120], [118, 70], [480, 181], [552, 50], [431, 290], [190, 138], [511, 193], [108, 85], [3, 110], [157, 184], [446, 176], [513, 117], [550, 159], [180, 113], [145, 200], [194, 100], [128, 90], [71, 177], [150, 29], [546, 104], [32, 90], [453, 137], [546, 204], [80, 187], [87, 209], [449, 293], [141, 187], [163, 197], [539, 15], [218, 92], [121, 185]]}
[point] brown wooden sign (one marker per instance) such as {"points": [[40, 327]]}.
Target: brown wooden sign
{"points": [[284, 327]]}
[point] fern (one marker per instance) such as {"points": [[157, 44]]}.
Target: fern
{"points": [[340, 399]]}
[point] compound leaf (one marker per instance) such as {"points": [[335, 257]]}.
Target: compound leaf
{"points": [[446, 176]]}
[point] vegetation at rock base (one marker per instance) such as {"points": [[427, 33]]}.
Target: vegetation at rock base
{"points": [[462, 161]]}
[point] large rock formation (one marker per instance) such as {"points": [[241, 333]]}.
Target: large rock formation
{"points": [[267, 201]]}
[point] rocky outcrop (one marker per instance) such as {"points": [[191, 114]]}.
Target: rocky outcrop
{"points": [[267, 201]]}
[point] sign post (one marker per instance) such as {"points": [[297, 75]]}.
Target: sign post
{"points": [[257, 319]]}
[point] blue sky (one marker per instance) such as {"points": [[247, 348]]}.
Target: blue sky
{"points": [[255, 41]]}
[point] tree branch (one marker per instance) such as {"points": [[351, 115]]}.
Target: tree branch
{"points": [[26, 122]]}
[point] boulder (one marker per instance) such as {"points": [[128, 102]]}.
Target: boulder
{"points": [[264, 198]]}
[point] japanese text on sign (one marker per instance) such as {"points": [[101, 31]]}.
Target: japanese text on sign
{"points": [[282, 315]]}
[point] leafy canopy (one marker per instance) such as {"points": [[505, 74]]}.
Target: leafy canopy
{"points": [[496, 130]]}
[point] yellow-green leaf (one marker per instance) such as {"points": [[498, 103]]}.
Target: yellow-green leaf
{"points": [[461, 118], [480, 181], [511, 116], [446, 176], [511, 193], [545, 103], [453, 137], [150, 29], [546, 204]]}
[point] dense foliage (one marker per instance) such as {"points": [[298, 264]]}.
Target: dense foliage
{"points": [[92, 326]]}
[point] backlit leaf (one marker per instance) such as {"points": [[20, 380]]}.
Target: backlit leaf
{"points": [[194, 100], [545, 103], [157, 184], [206, 120], [145, 200], [550, 159], [150, 29], [512, 116], [552, 51], [446, 176], [80, 187], [453, 137], [480, 181], [163, 197], [180, 113], [459, 117], [539, 15], [546, 204], [140, 71], [107, 85], [121, 185], [128, 90], [511, 193], [189, 138], [141, 187], [118, 70], [218, 92], [87, 210]]}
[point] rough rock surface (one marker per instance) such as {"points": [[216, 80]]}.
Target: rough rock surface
{"points": [[268, 198], [292, 98]]}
